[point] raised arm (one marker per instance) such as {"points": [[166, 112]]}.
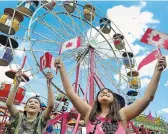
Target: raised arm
{"points": [[136, 108], [9, 103], [82, 107], [48, 110]]}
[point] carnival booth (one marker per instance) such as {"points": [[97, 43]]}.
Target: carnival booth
{"points": [[154, 125], [10, 21], [118, 40]]}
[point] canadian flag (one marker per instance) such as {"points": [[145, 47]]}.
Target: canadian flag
{"points": [[70, 44], [47, 60], [154, 37], [156, 54]]}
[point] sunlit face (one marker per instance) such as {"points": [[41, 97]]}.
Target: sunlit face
{"points": [[33, 106], [105, 96]]}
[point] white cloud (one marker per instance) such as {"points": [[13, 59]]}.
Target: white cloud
{"points": [[166, 84], [144, 82], [132, 22], [142, 3], [19, 53], [165, 110]]}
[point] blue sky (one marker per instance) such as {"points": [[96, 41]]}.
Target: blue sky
{"points": [[132, 18]]}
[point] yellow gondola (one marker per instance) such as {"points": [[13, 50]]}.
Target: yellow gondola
{"points": [[89, 12], [134, 80], [10, 21]]}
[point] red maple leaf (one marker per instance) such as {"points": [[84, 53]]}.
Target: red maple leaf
{"points": [[156, 37], [69, 44], [166, 44]]}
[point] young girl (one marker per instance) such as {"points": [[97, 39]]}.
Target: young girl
{"points": [[106, 116], [31, 121]]}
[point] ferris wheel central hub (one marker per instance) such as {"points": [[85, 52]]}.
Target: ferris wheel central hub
{"points": [[93, 42]]}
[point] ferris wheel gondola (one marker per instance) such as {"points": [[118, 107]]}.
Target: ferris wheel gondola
{"points": [[10, 21]]}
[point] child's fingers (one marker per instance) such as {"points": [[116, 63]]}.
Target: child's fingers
{"points": [[162, 65], [49, 75]]}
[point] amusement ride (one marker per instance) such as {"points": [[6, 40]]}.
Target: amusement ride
{"points": [[101, 58]]}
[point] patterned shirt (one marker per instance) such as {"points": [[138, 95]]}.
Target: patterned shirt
{"points": [[104, 126], [24, 126]]}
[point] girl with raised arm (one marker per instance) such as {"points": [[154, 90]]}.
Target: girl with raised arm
{"points": [[106, 116], [32, 121]]}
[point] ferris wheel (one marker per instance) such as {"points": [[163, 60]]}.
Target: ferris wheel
{"points": [[95, 52]]}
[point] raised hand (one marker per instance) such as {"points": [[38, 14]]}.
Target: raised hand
{"points": [[18, 76], [161, 64], [49, 76], [58, 63]]}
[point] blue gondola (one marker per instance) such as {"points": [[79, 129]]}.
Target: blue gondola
{"points": [[128, 60], [132, 93], [105, 25], [7, 57]]}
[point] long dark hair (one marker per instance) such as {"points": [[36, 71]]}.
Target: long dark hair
{"points": [[114, 108], [34, 97]]}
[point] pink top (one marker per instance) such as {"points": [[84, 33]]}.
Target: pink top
{"points": [[105, 127]]}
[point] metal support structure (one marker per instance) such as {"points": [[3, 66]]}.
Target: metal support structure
{"points": [[77, 78], [91, 77]]}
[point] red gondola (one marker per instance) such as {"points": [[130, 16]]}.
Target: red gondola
{"points": [[4, 91]]}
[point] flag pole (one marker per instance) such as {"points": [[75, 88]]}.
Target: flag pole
{"points": [[58, 58], [24, 61]]}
